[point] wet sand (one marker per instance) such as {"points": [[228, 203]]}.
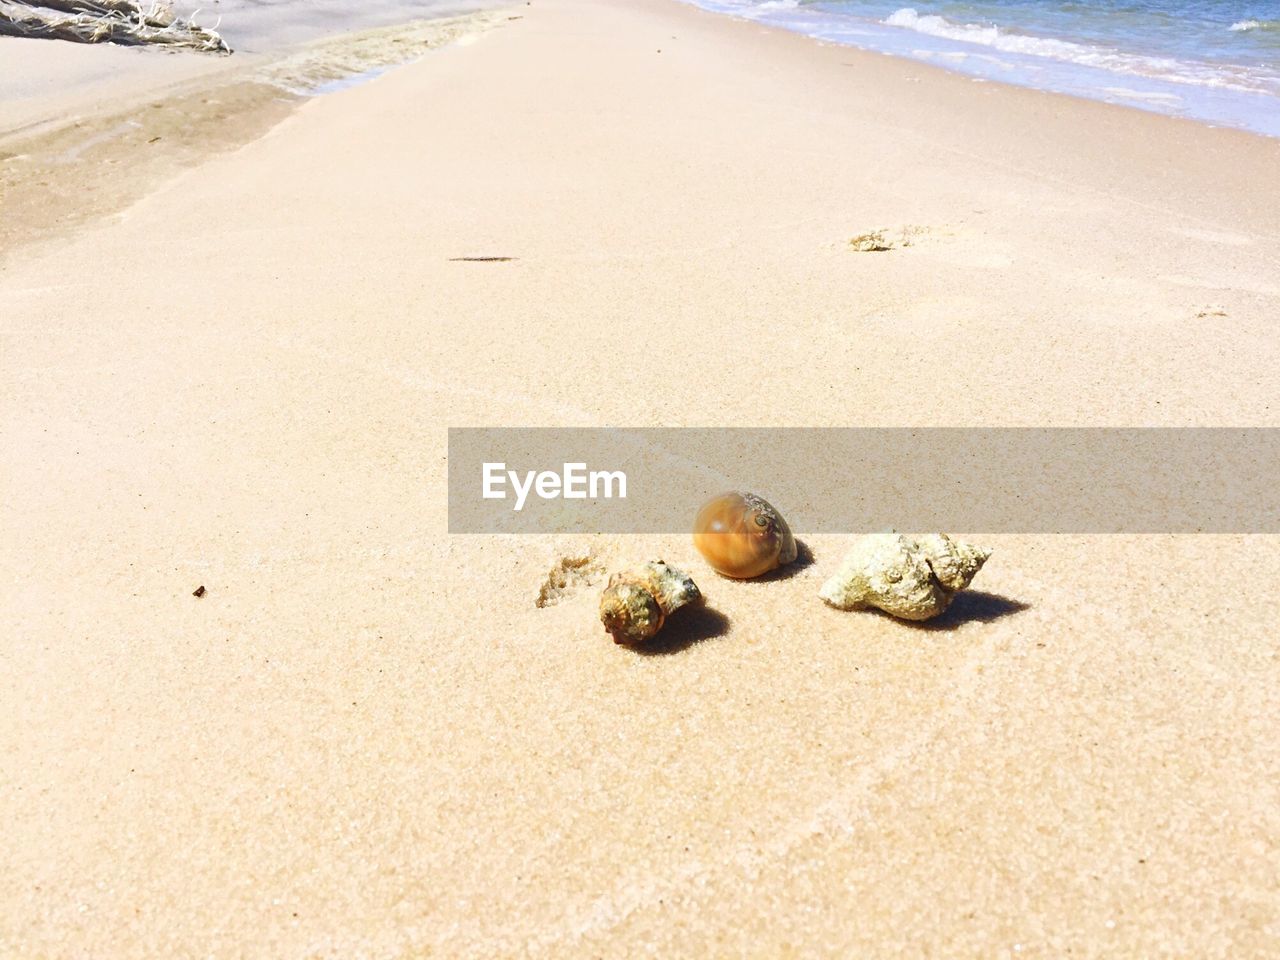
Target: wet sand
{"points": [[89, 129]]}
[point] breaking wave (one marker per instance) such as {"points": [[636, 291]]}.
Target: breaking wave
{"points": [[1241, 26], [1160, 68]]}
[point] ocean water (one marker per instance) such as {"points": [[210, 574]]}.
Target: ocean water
{"points": [[1211, 60]]}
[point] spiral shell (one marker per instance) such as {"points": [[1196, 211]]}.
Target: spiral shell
{"points": [[637, 601], [742, 536], [913, 579]]}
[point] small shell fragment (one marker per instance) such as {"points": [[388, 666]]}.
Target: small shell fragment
{"points": [[570, 573], [910, 578], [637, 601]]}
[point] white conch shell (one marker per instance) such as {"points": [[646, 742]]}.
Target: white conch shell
{"points": [[914, 579], [637, 601]]}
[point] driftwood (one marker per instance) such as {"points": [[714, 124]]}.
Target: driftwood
{"points": [[105, 21]]}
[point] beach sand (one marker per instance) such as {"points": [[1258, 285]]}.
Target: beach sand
{"points": [[366, 739]]}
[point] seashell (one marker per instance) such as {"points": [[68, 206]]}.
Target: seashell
{"points": [[637, 602], [914, 579], [742, 536]]}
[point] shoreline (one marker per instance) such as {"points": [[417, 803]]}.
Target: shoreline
{"points": [[132, 150], [260, 703], [1225, 97], [71, 159]]}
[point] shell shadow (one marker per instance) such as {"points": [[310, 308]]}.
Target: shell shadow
{"points": [[972, 606], [686, 628], [803, 560]]}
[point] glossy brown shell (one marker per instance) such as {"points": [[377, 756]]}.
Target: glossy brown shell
{"points": [[741, 535]]}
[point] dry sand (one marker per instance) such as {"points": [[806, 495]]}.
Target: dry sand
{"points": [[366, 741]]}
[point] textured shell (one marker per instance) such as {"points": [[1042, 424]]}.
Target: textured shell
{"points": [[741, 535], [914, 579], [637, 601]]}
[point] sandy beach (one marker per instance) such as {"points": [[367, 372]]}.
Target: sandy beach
{"points": [[233, 365]]}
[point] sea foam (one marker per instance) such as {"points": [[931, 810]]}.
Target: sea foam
{"points": [[1242, 26], [1161, 68]]}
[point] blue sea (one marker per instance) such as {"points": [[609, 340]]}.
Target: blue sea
{"points": [[1212, 60]]}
